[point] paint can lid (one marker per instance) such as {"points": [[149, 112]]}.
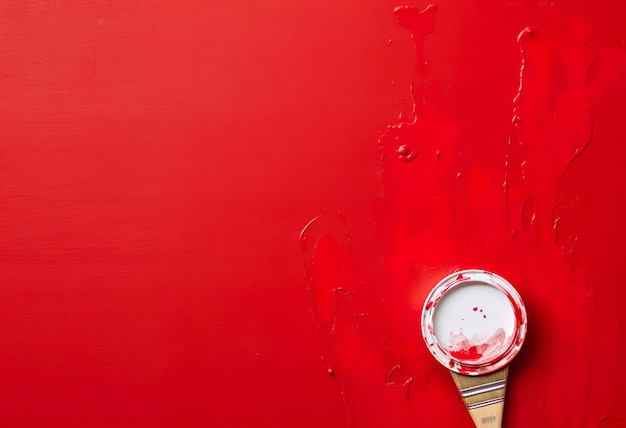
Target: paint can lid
{"points": [[474, 322]]}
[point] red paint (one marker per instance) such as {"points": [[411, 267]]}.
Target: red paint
{"points": [[475, 175], [470, 350], [330, 269], [157, 160], [467, 354]]}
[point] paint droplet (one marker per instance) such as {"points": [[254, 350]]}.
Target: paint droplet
{"points": [[331, 372], [475, 308], [429, 305], [406, 153], [484, 316]]}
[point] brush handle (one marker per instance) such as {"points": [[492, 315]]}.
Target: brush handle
{"points": [[484, 396]]}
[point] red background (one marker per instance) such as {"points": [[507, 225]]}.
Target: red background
{"points": [[159, 159]]}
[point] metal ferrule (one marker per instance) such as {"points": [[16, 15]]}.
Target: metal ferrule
{"points": [[481, 389], [485, 403]]}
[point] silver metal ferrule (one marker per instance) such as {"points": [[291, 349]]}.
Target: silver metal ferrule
{"points": [[485, 403], [481, 389]]}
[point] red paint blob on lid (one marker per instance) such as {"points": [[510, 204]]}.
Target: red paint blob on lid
{"points": [[467, 354]]}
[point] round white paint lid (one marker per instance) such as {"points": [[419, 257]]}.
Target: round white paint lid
{"points": [[474, 322]]}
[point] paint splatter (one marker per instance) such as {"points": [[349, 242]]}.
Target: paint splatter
{"points": [[476, 348]]}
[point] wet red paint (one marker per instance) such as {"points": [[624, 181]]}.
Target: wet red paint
{"points": [[516, 177], [470, 350], [467, 354], [158, 159]]}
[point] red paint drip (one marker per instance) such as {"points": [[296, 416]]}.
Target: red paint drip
{"points": [[419, 23]]}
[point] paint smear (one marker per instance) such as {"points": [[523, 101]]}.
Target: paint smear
{"points": [[466, 188], [328, 264], [476, 349]]}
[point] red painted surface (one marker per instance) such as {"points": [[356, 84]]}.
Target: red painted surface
{"points": [[157, 161], [464, 189]]}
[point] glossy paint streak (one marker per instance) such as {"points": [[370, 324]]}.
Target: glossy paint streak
{"points": [[531, 201]]}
